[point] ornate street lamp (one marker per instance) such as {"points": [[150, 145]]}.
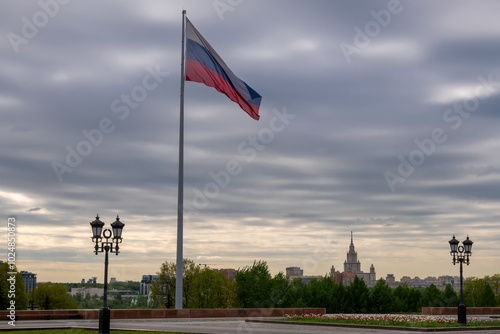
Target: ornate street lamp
{"points": [[460, 255], [106, 246]]}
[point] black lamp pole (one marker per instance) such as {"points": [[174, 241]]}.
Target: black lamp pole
{"points": [[461, 254], [106, 246]]}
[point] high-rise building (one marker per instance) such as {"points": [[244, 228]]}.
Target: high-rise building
{"points": [[352, 268], [230, 273], [145, 287], [29, 280], [294, 271], [352, 263]]}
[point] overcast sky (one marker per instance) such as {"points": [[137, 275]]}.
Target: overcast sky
{"points": [[377, 117]]}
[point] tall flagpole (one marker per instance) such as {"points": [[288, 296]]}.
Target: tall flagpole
{"points": [[180, 194]]}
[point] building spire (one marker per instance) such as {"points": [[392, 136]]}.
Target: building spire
{"points": [[351, 237]]}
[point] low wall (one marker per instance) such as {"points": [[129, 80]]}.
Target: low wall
{"points": [[453, 310], [161, 313]]}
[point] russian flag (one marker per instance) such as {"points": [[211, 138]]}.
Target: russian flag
{"points": [[204, 65]]}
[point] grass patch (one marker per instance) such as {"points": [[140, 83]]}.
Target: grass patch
{"points": [[85, 331], [420, 321]]}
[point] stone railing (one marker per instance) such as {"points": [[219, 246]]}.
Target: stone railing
{"points": [[161, 313], [453, 310]]}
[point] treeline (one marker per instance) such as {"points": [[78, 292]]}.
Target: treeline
{"points": [[255, 287]]}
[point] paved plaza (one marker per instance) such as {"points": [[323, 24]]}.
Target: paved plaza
{"points": [[207, 325]]}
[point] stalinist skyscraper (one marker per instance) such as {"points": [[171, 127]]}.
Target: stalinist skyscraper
{"points": [[352, 263], [352, 268]]}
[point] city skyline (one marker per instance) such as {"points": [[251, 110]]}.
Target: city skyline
{"points": [[371, 122], [351, 255]]}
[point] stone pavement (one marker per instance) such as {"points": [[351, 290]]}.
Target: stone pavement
{"points": [[206, 325]]}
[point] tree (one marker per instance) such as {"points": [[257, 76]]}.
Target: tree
{"points": [[358, 296], [450, 297], [494, 282], [315, 294], [12, 292], [163, 289], [253, 285], [324, 290], [49, 296], [381, 297], [432, 297], [189, 273], [295, 294], [487, 296], [337, 301], [212, 290], [472, 291], [279, 286], [401, 297]]}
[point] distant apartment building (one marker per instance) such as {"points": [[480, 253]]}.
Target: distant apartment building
{"points": [[416, 282], [228, 272], [352, 269], [390, 279], [305, 279], [294, 272], [92, 280], [145, 287], [99, 292], [29, 280]]}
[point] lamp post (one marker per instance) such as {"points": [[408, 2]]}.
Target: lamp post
{"points": [[460, 255], [106, 246]]}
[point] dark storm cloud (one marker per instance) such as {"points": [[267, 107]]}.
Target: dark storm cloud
{"points": [[320, 176]]}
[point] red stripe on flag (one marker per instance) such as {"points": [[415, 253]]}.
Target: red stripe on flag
{"points": [[198, 73]]}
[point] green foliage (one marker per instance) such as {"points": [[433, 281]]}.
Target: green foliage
{"points": [[189, 272], [494, 282], [128, 285], [480, 292], [294, 295], [50, 296], [401, 298], [89, 302], [450, 297], [6, 294], [163, 289], [381, 297], [338, 298], [318, 291], [358, 296], [201, 288], [431, 297], [212, 290], [472, 291], [487, 296], [254, 285]]}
